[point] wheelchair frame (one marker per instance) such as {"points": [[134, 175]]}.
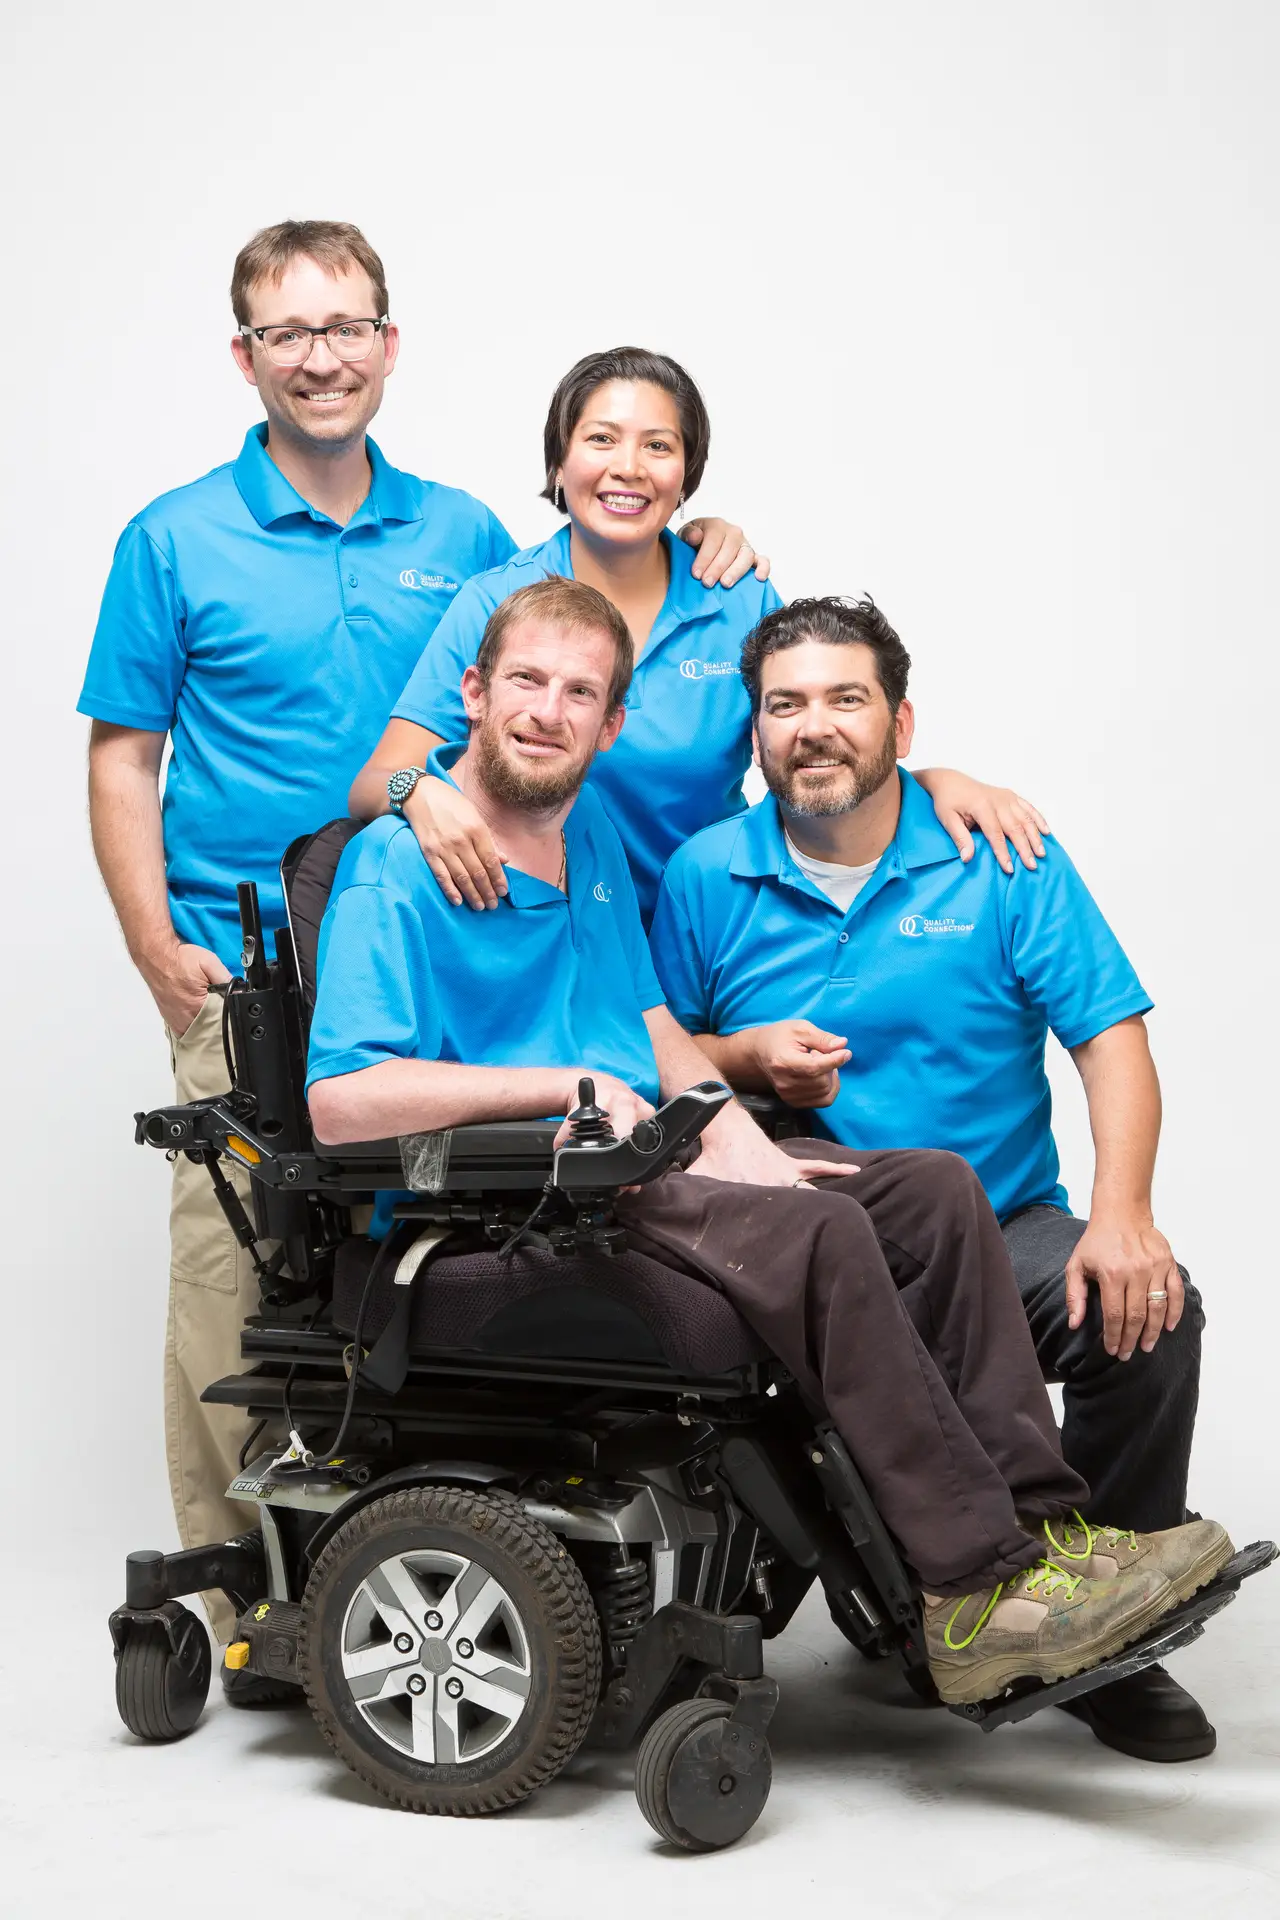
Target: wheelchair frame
{"points": [[697, 1510]]}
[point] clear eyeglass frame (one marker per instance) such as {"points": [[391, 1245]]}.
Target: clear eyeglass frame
{"points": [[290, 346]]}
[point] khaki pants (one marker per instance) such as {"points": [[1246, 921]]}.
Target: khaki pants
{"points": [[212, 1287]]}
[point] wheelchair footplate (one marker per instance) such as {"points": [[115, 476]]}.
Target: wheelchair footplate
{"points": [[1173, 1630]]}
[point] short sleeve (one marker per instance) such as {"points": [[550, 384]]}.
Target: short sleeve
{"points": [[1068, 961], [501, 545], [376, 998], [433, 696], [677, 957], [139, 654]]}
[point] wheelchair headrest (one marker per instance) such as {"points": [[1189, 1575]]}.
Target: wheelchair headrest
{"points": [[306, 875]]}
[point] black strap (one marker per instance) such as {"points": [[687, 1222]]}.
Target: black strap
{"points": [[387, 1366]]}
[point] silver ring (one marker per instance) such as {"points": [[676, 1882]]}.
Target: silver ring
{"points": [[1160, 1295]]}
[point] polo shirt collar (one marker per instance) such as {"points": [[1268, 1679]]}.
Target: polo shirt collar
{"points": [[390, 494], [523, 889], [271, 498], [921, 839], [760, 850], [686, 599]]}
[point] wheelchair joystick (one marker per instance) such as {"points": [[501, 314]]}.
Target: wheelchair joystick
{"points": [[590, 1125]]}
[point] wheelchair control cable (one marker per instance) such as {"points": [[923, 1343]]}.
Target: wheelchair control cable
{"points": [[290, 1377], [252, 1436], [226, 1034], [303, 1456]]}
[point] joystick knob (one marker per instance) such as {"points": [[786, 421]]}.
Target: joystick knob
{"points": [[589, 1124]]}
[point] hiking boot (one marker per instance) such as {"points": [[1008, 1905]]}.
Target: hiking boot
{"points": [[1188, 1557], [1045, 1624]]}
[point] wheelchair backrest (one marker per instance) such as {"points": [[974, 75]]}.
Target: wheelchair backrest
{"points": [[269, 1009], [268, 1016], [306, 875]]}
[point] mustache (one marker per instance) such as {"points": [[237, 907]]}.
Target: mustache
{"points": [[841, 756], [539, 737]]}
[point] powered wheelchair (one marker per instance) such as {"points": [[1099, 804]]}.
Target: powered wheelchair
{"points": [[518, 1486]]}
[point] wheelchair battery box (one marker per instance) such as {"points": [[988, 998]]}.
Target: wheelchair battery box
{"points": [[271, 1629]]}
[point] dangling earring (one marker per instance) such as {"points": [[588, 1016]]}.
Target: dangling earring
{"points": [[559, 508], [682, 509]]}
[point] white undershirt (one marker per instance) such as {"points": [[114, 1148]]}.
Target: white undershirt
{"points": [[840, 883]]}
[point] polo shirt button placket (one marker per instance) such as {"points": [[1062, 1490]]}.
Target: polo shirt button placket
{"points": [[842, 964]]}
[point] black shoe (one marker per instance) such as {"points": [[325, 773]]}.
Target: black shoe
{"points": [[245, 1689], [1148, 1715]]}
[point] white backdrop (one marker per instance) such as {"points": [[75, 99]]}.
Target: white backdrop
{"points": [[983, 301]]}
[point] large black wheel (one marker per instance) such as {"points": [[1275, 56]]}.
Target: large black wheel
{"points": [[450, 1650], [688, 1790], [160, 1691]]}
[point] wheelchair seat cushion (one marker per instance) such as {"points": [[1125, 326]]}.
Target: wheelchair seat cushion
{"points": [[541, 1305]]}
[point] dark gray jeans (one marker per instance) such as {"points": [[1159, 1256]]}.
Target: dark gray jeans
{"points": [[1127, 1426]]}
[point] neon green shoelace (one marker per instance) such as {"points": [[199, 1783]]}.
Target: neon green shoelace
{"points": [[1078, 1527], [1038, 1581]]}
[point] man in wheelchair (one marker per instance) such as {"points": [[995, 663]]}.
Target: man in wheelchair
{"points": [[882, 1284], [547, 1453]]}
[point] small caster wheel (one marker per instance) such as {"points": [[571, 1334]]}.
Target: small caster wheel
{"points": [[160, 1692], [700, 1782]]}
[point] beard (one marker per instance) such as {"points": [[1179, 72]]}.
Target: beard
{"points": [[853, 778], [540, 787]]}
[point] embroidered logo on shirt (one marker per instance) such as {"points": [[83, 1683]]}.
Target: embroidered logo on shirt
{"points": [[703, 669], [412, 578], [602, 893], [916, 925]]}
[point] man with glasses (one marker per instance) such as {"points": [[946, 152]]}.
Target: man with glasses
{"points": [[265, 618]]}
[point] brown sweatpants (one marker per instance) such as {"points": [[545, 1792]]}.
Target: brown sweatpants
{"points": [[212, 1289], [889, 1295]]}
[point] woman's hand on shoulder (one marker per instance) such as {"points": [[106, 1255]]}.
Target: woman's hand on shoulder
{"points": [[456, 844], [962, 802], [725, 555]]}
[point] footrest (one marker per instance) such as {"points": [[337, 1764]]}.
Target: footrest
{"points": [[1173, 1630]]}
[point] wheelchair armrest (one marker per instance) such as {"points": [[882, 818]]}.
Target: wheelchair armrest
{"points": [[592, 1165], [506, 1154], [776, 1118]]}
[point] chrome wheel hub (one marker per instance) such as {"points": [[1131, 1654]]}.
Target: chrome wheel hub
{"points": [[436, 1657]]}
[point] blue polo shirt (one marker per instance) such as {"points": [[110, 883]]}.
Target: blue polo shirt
{"points": [[945, 979], [270, 642], [685, 747], [546, 980]]}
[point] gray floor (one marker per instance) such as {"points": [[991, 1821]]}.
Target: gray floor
{"points": [[879, 1808]]}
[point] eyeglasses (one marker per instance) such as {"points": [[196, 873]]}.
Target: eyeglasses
{"points": [[290, 346]]}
